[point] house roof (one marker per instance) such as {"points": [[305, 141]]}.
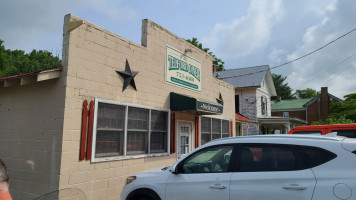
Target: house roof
{"points": [[317, 97], [289, 104], [30, 77], [243, 77], [240, 117]]}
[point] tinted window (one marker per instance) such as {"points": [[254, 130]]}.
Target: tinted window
{"points": [[308, 132], [346, 133], [210, 160], [314, 156], [258, 158]]}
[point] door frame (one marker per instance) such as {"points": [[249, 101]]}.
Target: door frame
{"points": [[178, 135]]}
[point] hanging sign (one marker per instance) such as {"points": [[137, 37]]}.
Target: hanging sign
{"points": [[182, 70]]}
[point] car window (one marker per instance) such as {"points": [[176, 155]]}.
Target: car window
{"points": [[314, 156], [308, 132], [260, 158], [210, 160], [346, 133]]}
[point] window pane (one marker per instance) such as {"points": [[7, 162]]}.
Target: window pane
{"points": [[346, 133], [216, 136], [225, 127], [159, 120], [268, 158], [314, 156], [216, 126], [138, 119], [158, 142], [110, 116], [211, 160], [205, 138], [109, 143], [308, 132], [136, 142], [205, 125]]}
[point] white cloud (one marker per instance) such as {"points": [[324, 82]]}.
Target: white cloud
{"points": [[248, 33], [327, 67], [276, 55]]}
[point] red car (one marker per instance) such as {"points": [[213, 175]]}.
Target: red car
{"points": [[346, 130]]}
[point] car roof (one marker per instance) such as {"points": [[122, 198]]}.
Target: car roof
{"points": [[285, 138], [325, 126]]}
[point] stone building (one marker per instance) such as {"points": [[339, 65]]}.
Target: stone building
{"points": [[113, 108]]}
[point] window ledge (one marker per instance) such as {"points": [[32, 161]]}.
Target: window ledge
{"points": [[106, 159]]}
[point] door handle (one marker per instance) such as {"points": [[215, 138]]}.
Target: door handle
{"points": [[294, 187], [218, 187]]}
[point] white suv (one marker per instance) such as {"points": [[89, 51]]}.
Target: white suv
{"points": [[269, 167]]}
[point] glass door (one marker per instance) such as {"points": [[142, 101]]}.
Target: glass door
{"points": [[184, 138]]}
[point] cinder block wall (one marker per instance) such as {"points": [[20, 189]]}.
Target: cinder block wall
{"points": [[31, 123], [91, 57]]}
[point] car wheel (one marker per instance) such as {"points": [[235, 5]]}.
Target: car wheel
{"points": [[144, 198]]}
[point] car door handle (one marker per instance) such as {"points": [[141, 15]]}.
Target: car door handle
{"points": [[218, 186], [294, 187]]}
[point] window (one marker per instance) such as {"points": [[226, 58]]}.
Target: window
{"points": [[237, 104], [285, 114], [210, 160], [314, 156], [259, 158], [346, 133], [127, 130], [110, 130], [308, 132], [159, 131], [137, 131], [212, 129], [263, 105]]}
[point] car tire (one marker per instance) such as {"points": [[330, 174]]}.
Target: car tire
{"points": [[144, 198]]}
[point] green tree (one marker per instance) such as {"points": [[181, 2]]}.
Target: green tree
{"points": [[283, 90], [345, 108], [334, 120], [216, 61], [14, 62], [343, 112], [307, 93]]}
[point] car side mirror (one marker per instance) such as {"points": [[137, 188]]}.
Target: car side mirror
{"points": [[175, 169]]}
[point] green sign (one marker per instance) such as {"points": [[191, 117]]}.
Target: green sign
{"points": [[213, 108], [182, 70]]}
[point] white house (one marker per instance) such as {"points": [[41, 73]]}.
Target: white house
{"points": [[254, 88]]}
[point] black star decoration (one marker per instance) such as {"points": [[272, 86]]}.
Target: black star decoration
{"points": [[128, 76], [220, 99]]}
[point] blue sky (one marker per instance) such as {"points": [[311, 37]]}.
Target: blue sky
{"points": [[243, 33]]}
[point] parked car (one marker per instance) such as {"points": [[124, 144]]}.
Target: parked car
{"points": [[346, 130], [269, 167]]}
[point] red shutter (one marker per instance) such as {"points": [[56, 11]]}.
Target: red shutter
{"points": [[84, 130], [231, 128], [197, 134], [90, 130], [173, 134]]}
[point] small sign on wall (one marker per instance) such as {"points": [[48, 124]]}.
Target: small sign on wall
{"points": [[182, 70]]}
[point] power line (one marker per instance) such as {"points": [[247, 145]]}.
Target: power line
{"points": [[338, 74], [328, 69], [297, 58], [315, 50]]}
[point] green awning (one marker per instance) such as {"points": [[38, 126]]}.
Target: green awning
{"points": [[181, 102]]}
